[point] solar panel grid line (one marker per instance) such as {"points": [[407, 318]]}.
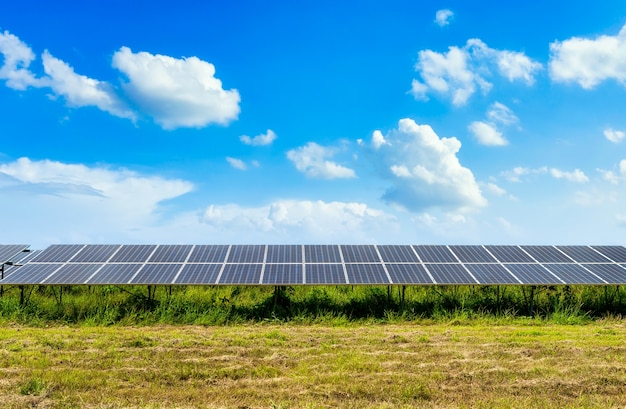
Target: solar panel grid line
{"points": [[219, 276], [616, 254], [552, 272], [498, 260], [600, 253], [465, 268], [263, 267], [383, 264], [343, 265], [564, 253], [303, 264], [593, 274], [51, 274], [193, 247], [424, 265], [95, 272]]}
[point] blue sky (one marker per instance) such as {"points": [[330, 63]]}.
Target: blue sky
{"points": [[313, 122]]}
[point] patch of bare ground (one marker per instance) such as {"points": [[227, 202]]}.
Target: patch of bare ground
{"points": [[314, 366]]}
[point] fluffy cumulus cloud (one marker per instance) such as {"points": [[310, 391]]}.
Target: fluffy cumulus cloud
{"points": [[589, 61], [313, 160], [259, 140], [488, 133], [176, 92], [424, 170], [75, 202], [615, 177], [461, 71], [614, 135], [443, 17], [577, 175], [17, 59]]}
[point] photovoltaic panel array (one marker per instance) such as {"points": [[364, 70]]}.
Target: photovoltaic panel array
{"points": [[11, 252], [153, 264]]}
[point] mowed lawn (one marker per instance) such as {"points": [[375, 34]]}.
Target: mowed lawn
{"points": [[519, 365]]}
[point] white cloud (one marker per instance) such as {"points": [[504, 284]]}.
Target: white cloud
{"points": [[176, 92], [589, 61], [613, 135], [458, 73], [425, 171], [501, 114], [516, 173], [236, 163], [79, 90], [494, 189], [487, 134], [378, 139], [259, 140], [576, 176], [613, 177], [311, 159], [443, 17], [17, 58]]}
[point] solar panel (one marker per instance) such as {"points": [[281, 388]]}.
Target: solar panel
{"points": [[241, 274], [491, 274], [510, 254], [73, 273], [58, 253], [450, 274], [573, 274], [398, 254], [408, 274], [367, 274], [324, 274], [199, 274], [435, 254], [360, 254], [472, 254], [611, 273], [583, 254], [613, 253], [96, 253], [11, 251], [157, 274], [31, 274], [546, 254], [284, 254], [115, 273], [282, 274], [133, 253], [208, 254], [533, 274], [246, 254], [170, 254], [322, 254]]}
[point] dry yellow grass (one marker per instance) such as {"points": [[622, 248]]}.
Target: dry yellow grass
{"points": [[299, 366]]}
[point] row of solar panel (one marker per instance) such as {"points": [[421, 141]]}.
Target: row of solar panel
{"points": [[78, 253], [299, 274]]}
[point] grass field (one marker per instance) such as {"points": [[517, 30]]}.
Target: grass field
{"points": [[521, 364]]}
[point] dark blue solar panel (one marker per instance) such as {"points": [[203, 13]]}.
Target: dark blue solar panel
{"points": [[73, 273], [284, 254], [408, 274], [583, 254], [282, 274], [614, 253], [170, 254], [322, 254], [611, 273], [366, 274], [199, 274], [115, 274], [531, 273], [58, 253], [398, 254], [472, 254], [157, 274], [435, 254], [573, 274], [246, 254], [133, 253], [360, 254], [510, 254], [547, 254], [491, 274], [208, 254], [324, 274], [450, 274], [31, 274], [96, 253], [11, 251], [241, 274]]}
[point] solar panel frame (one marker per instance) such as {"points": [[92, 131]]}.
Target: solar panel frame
{"points": [[206, 253], [170, 253], [73, 274], [450, 273], [491, 273], [370, 273], [115, 273], [406, 273], [284, 253], [247, 253], [472, 254], [583, 254], [329, 273], [611, 273], [616, 254], [157, 274], [241, 273], [532, 274], [199, 274], [435, 254], [509, 254], [96, 253], [360, 254], [398, 254], [133, 253], [58, 253], [283, 274]]}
